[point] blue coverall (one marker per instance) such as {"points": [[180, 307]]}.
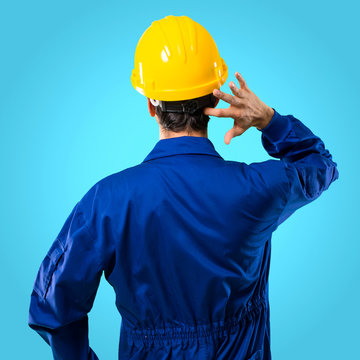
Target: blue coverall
{"points": [[184, 239]]}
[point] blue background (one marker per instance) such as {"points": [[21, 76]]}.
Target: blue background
{"points": [[69, 117]]}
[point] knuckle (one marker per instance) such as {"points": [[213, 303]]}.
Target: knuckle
{"points": [[231, 99], [238, 102]]}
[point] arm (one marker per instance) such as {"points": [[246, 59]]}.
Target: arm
{"points": [[308, 166], [305, 168], [65, 287]]}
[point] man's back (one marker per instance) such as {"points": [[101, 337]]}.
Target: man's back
{"points": [[184, 238], [199, 247]]}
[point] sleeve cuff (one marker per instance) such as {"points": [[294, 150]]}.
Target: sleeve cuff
{"points": [[278, 127]]}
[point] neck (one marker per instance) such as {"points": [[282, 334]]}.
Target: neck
{"points": [[171, 134]]}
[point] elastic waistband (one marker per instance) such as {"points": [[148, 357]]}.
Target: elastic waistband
{"points": [[206, 333]]}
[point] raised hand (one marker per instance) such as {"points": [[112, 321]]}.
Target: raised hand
{"points": [[245, 108]]}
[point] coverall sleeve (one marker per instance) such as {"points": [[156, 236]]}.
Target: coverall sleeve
{"points": [[305, 168], [65, 288]]}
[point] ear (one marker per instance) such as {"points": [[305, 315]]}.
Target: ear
{"points": [[151, 108]]}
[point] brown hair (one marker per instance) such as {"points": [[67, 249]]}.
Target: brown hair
{"points": [[183, 121]]}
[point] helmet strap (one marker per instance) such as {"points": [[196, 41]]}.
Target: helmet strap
{"points": [[187, 106]]}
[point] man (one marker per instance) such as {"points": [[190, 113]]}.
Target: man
{"points": [[184, 237]]}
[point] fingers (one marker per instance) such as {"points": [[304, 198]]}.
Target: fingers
{"points": [[242, 82], [226, 97], [217, 112], [232, 100], [233, 132], [235, 90]]}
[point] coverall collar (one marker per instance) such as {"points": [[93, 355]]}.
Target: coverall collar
{"points": [[182, 145]]}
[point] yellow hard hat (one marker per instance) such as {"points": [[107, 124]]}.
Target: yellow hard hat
{"points": [[177, 59]]}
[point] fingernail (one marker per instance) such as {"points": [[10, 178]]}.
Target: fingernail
{"points": [[216, 92]]}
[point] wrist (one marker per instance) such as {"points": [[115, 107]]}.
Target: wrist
{"points": [[268, 115]]}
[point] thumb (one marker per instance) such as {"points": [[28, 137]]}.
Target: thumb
{"points": [[229, 135], [233, 133]]}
